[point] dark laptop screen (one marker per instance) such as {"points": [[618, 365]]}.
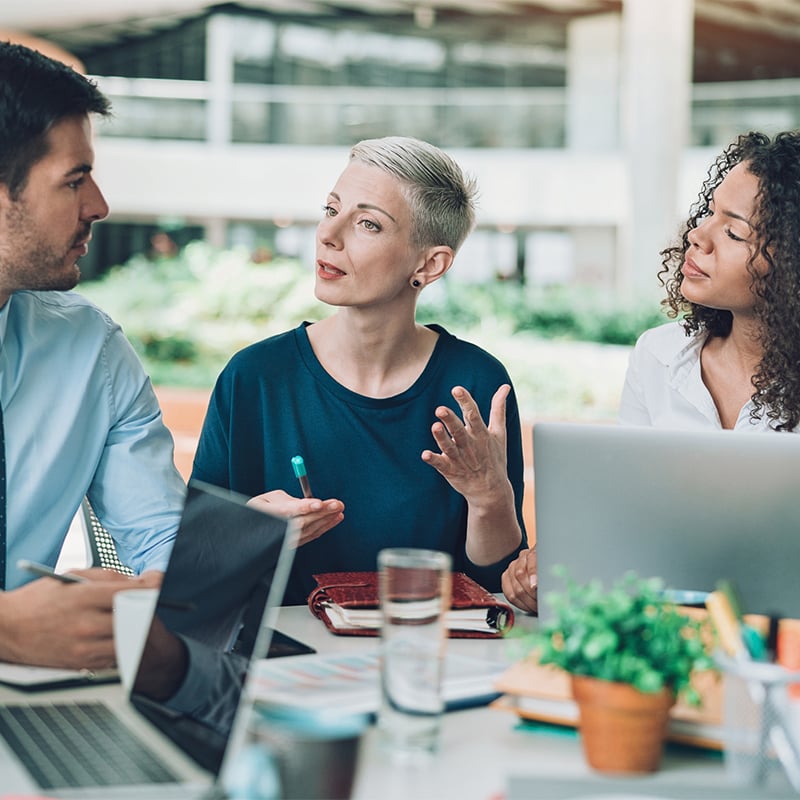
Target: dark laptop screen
{"points": [[208, 618]]}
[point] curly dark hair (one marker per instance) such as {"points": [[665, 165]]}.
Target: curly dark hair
{"points": [[776, 226]]}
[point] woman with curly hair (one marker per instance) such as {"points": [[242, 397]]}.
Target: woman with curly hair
{"points": [[732, 360]]}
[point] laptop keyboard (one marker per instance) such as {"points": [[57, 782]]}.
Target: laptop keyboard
{"points": [[74, 745]]}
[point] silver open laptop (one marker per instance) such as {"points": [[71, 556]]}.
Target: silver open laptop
{"points": [[689, 506], [169, 738]]}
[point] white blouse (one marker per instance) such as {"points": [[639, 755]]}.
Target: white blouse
{"points": [[664, 387]]}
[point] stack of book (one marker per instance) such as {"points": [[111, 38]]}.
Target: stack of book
{"points": [[543, 693]]}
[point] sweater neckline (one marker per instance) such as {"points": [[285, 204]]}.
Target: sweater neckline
{"points": [[418, 387]]}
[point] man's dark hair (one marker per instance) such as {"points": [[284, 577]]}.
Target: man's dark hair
{"points": [[37, 92]]}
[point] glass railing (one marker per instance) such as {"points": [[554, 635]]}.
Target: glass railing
{"points": [[303, 115], [481, 117], [721, 111]]}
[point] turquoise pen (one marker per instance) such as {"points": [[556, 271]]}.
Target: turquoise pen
{"points": [[299, 467]]}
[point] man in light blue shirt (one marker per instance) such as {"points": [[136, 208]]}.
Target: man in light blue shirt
{"points": [[77, 410]]}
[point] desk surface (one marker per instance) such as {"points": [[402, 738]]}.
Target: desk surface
{"points": [[485, 754]]}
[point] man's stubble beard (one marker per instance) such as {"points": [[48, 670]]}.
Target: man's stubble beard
{"points": [[27, 263]]}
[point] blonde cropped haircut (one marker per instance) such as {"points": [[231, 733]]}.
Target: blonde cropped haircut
{"points": [[441, 197]]}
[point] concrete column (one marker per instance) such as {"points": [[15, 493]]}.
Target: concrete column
{"points": [[595, 256], [219, 76], [216, 232], [656, 105], [594, 64], [593, 81]]}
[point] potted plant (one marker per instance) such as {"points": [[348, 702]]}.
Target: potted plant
{"points": [[629, 653]]}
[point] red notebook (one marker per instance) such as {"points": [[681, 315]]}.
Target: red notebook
{"points": [[347, 602]]}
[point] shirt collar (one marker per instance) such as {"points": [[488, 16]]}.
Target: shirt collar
{"points": [[4, 312], [684, 361]]}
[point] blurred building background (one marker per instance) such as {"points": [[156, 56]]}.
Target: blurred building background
{"points": [[589, 124]]}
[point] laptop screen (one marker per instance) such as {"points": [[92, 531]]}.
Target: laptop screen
{"points": [[691, 507], [227, 562]]}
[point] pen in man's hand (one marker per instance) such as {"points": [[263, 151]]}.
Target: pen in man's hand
{"points": [[48, 572], [44, 571], [299, 467]]}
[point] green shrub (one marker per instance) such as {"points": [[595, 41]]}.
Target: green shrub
{"points": [[187, 315], [170, 348], [559, 312]]}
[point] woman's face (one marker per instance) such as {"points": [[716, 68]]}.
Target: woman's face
{"points": [[364, 251], [715, 272]]}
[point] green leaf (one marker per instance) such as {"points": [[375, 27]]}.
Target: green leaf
{"points": [[599, 643], [625, 633]]}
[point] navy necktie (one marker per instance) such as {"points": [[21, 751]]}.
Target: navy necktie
{"points": [[2, 504]]}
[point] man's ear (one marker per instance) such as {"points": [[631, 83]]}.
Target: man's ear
{"points": [[437, 261]]}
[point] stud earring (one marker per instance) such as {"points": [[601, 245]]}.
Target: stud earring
{"points": [[415, 283]]}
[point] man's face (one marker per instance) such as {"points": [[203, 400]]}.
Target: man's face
{"points": [[47, 228]]}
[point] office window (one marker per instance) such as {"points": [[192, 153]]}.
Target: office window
{"points": [[254, 42]]}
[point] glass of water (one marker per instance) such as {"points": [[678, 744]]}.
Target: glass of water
{"points": [[414, 588]]}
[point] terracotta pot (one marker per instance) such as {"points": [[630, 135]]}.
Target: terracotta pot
{"points": [[622, 729]]}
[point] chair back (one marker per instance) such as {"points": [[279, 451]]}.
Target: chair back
{"points": [[102, 550]]}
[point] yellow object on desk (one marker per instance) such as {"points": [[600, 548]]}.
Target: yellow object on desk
{"points": [[726, 624]]}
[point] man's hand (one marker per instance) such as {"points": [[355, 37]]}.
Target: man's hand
{"points": [[519, 582], [53, 624]]}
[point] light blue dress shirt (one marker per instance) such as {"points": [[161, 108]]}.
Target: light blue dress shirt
{"points": [[81, 418]]}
